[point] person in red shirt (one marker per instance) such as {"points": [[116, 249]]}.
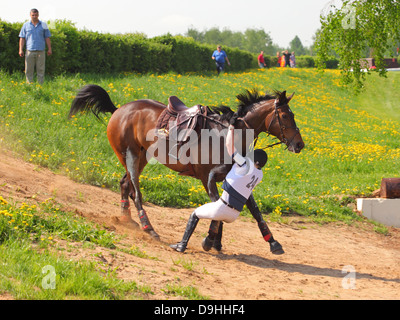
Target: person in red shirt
{"points": [[261, 61]]}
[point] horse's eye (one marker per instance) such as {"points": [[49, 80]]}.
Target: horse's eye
{"points": [[284, 116]]}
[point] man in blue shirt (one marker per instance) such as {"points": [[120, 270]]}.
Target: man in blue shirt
{"points": [[35, 34], [220, 56]]}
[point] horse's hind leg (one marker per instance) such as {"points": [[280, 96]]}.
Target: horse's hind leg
{"points": [[126, 192], [134, 164]]}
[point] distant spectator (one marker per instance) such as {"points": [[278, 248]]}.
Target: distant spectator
{"points": [[287, 58], [283, 60], [278, 55], [261, 60], [220, 56], [35, 34], [292, 60]]}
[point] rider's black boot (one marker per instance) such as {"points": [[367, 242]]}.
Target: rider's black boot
{"points": [[191, 225]]}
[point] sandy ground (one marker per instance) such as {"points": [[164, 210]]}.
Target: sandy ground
{"points": [[332, 261]]}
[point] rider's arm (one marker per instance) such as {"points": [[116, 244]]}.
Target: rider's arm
{"points": [[230, 145]]}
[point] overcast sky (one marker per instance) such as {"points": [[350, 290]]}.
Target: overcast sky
{"points": [[282, 19]]}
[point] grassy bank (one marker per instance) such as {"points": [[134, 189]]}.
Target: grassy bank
{"points": [[37, 242], [33, 266], [351, 142]]}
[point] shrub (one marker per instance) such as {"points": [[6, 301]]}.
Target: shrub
{"points": [[188, 55], [65, 46], [9, 46], [332, 63], [305, 62]]}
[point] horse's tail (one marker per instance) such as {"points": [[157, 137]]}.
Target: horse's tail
{"points": [[94, 98]]}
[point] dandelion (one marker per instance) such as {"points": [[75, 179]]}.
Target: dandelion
{"points": [[3, 201], [278, 210]]}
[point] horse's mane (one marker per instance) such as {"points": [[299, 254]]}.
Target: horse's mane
{"points": [[247, 99]]}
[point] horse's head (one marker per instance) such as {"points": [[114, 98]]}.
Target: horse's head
{"points": [[282, 124], [270, 113]]}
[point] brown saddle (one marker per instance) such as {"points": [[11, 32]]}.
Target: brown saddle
{"points": [[177, 118], [177, 122]]}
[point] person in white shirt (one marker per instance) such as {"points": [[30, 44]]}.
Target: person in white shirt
{"points": [[238, 186], [36, 35]]}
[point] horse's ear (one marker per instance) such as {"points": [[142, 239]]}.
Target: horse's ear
{"points": [[290, 97], [282, 97]]}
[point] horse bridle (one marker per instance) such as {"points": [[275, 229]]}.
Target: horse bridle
{"points": [[281, 128]]}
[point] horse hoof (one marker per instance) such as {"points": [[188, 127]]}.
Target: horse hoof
{"points": [[276, 248], [278, 252], [217, 246], [153, 234], [207, 244]]}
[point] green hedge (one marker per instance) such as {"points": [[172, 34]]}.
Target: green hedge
{"points": [[189, 55], [86, 51], [116, 53], [9, 46], [305, 62], [92, 52]]}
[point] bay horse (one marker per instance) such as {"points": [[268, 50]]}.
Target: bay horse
{"points": [[128, 129]]}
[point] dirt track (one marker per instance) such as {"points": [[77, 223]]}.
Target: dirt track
{"points": [[311, 268]]}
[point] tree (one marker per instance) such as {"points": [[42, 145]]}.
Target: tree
{"points": [[252, 40], [357, 25], [232, 39], [196, 35], [213, 36], [256, 40], [296, 46]]}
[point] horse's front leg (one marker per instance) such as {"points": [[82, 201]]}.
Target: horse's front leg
{"points": [[275, 246], [214, 239]]}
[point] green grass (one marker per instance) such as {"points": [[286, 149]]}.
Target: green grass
{"points": [[351, 142], [23, 274], [31, 262], [43, 223], [187, 292], [381, 96]]}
